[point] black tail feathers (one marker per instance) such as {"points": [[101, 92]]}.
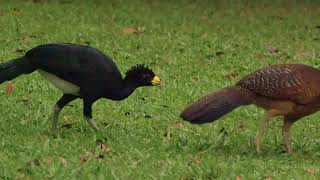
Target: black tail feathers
{"points": [[216, 104], [13, 68]]}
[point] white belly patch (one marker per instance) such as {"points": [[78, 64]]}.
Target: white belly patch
{"points": [[65, 86]]}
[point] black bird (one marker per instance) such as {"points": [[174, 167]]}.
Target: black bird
{"points": [[79, 71]]}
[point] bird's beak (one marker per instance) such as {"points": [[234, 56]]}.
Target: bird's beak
{"points": [[156, 81]]}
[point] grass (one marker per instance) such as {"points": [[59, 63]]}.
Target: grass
{"points": [[195, 47]]}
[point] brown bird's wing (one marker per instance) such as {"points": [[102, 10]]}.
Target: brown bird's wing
{"points": [[294, 82]]}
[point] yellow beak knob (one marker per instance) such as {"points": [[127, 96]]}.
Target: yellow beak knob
{"points": [[156, 81]]}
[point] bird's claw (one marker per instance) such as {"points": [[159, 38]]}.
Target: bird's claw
{"points": [[92, 123], [55, 132]]}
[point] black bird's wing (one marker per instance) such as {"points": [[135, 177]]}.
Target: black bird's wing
{"points": [[84, 66]]}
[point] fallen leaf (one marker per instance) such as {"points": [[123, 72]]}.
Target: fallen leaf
{"points": [[103, 146], [133, 30], [20, 50], [238, 178], [33, 36], [86, 156], [15, 12], [167, 135], [163, 163], [100, 156], [135, 163], [9, 88], [204, 17], [22, 176], [96, 153], [231, 75], [196, 160], [34, 162], [46, 161], [204, 35], [67, 117], [129, 30], [277, 52], [241, 125], [313, 170], [147, 116], [106, 148], [268, 178], [307, 54], [63, 160], [178, 125], [99, 142], [219, 53], [273, 50], [66, 126]]}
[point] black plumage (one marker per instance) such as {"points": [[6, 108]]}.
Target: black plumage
{"points": [[79, 71]]}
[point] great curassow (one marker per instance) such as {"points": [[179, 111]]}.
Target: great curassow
{"points": [[288, 90], [79, 71]]}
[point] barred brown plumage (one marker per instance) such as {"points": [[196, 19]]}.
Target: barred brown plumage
{"points": [[288, 90]]}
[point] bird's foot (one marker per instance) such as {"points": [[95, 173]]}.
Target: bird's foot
{"points": [[258, 150], [258, 146], [92, 123], [55, 132], [289, 150]]}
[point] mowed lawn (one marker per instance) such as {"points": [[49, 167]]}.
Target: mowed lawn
{"points": [[195, 47]]}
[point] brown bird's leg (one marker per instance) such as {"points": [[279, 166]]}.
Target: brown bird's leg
{"points": [[287, 123], [263, 126], [261, 130]]}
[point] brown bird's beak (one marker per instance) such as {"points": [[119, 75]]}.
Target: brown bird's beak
{"points": [[156, 81]]}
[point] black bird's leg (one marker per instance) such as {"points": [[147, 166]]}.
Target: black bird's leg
{"points": [[87, 112], [64, 100]]}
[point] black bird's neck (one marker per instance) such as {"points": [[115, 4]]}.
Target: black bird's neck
{"points": [[128, 86]]}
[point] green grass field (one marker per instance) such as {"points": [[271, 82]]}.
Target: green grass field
{"points": [[195, 47]]}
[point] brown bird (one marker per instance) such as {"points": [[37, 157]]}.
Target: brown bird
{"points": [[288, 90]]}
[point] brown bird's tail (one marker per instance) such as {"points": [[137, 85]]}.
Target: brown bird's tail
{"points": [[216, 104]]}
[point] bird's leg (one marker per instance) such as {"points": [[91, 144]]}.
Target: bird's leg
{"points": [[87, 112], [56, 112], [261, 130], [264, 124], [64, 100], [286, 134]]}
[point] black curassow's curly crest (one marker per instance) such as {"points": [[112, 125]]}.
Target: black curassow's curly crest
{"points": [[139, 68]]}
